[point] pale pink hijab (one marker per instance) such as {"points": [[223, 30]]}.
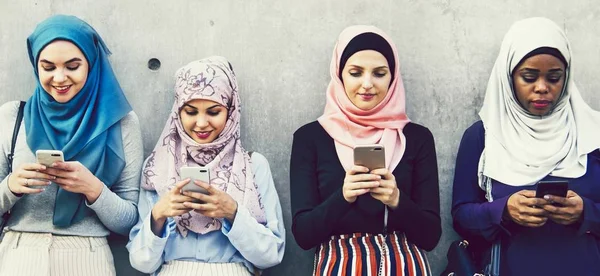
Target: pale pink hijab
{"points": [[229, 163], [350, 126]]}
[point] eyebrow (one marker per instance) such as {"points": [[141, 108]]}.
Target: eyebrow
{"points": [[68, 61], [537, 71], [376, 68], [190, 106]]}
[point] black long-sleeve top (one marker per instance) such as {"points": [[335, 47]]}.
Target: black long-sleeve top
{"points": [[320, 210]]}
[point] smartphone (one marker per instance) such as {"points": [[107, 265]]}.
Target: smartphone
{"points": [[48, 157], [556, 188], [195, 173], [370, 156]]}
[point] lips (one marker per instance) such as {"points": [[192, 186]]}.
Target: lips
{"points": [[366, 97], [62, 89], [541, 104], [202, 134]]}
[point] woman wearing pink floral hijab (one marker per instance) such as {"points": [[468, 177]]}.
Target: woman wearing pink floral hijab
{"points": [[365, 222], [234, 229]]}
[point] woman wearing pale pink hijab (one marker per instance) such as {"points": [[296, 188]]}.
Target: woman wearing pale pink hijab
{"points": [[365, 222]]}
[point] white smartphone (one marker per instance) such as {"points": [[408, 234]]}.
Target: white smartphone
{"points": [[195, 173], [370, 156], [48, 157]]}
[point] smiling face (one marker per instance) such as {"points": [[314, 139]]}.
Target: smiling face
{"points": [[203, 120], [366, 78], [538, 82], [62, 70]]}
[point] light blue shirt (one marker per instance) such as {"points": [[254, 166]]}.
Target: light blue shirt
{"points": [[245, 241]]}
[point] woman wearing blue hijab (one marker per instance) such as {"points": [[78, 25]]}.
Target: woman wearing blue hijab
{"points": [[62, 213]]}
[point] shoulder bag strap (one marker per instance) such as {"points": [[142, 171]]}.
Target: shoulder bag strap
{"points": [[15, 134]]}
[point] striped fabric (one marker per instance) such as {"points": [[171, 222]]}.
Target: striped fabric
{"points": [[191, 268], [43, 254], [370, 255]]}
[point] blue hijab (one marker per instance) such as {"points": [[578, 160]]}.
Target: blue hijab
{"points": [[86, 128]]}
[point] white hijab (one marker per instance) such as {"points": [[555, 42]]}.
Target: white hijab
{"points": [[520, 148]]}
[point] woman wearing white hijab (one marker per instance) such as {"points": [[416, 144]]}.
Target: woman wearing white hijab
{"points": [[534, 126]]}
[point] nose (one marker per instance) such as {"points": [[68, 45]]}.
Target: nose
{"points": [[367, 83], [541, 87], [59, 76], [201, 121]]}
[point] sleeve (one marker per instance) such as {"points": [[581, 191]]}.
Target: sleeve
{"points": [[473, 216], [418, 213], [8, 114], [116, 207], [146, 250], [313, 218], [262, 245]]}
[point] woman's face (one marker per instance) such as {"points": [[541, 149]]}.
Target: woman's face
{"points": [[62, 70], [366, 78], [538, 82], [203, 120]]}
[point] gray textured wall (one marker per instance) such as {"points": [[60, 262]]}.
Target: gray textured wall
{"points": [[281, 52]]}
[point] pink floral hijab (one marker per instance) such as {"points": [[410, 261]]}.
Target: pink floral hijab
{"points": [[212, 79]]}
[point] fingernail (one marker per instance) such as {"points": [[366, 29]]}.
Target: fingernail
{"points": [[547, 197]]}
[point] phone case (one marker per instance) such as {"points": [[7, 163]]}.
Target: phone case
{"points": [[48, 157], [195, 173], [370, 156]]}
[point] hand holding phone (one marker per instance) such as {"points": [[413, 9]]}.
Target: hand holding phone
{"points": [[48, 157]]}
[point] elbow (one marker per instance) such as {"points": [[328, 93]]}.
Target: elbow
{"points": [[303, 240], [432, 240], [140, 263]]}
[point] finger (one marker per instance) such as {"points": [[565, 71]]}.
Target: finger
{"points": [[38, 175], [527, 193], [199, 196], [33, 167], [557, 199], [200, 206], [179, 185], [537, 212], [570, 193], [361, 185], [210, 188], [180, 198], [28, 190], [534, 219], [363, 177], [356, 169], [36, 182], [357, 192], [382, 191], [532, 201], [58, 172], [65, 166]]}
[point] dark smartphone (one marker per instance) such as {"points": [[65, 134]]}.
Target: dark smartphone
{"points": [[556, 188]]}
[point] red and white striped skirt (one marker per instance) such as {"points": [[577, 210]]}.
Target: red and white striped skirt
{"points": [[371, 255]]}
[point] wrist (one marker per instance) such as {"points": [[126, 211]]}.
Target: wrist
{"points": [[232, 212], [94, 192], [395, 199], [10, 188]]}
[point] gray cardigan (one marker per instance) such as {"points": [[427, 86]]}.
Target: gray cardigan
{"points": [[114, 210]]}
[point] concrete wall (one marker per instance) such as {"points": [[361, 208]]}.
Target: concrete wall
{"points": [[281, 52]]}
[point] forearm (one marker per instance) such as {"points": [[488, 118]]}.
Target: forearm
{"points": [[7, 198], [481, 219], [116, 213], [314, 226], [262, 245], [421, 226]]}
